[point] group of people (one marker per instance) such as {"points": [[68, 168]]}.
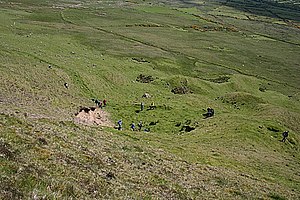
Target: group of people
{"points": [[100, 103], [132, 126], [140, 125], [210, 112]]}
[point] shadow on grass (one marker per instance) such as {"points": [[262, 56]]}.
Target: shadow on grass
{"points": [[260, 7]]}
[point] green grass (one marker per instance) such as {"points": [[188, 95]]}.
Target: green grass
{"points": [[96, 47]]}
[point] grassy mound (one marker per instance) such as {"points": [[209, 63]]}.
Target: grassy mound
{"points": [[239, 99]]}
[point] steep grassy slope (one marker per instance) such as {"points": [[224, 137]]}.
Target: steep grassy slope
{"points": [[243, 64]]}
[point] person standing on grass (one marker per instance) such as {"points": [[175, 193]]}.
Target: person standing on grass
{"points": [[140, 125], [132, 126], [66, 85], [142, 106], [211, 112], [104, 102], [100, 104], [285, 134], [120, 125], [96, 102]]}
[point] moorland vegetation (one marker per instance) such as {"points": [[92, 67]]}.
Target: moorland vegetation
{"points": [[240, 58]]}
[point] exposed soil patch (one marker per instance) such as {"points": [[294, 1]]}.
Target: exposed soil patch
{"points": [[144, 79], [93, 116], [181, 90]]}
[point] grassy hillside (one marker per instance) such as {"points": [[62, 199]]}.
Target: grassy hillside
{"points": [[239, 57]]}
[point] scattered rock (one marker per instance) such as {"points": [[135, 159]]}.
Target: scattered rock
{"points": [[146, 95], [110, 175], [110, 161], [144, 25], [140, 60], [262, 88]]}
